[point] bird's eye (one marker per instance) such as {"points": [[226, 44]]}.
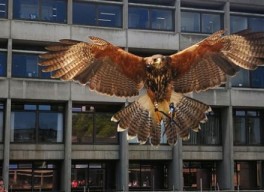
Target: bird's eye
{"points": [[155, 60]]}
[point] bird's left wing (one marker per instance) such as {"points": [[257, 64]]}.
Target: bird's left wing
{"points": [[100, 65], [206, 64]]}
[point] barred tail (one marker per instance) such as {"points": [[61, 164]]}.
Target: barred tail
{"points": [[138, 118], [187, 116]]}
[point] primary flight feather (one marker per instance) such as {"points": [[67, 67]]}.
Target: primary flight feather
{"points": [[108, 69]]}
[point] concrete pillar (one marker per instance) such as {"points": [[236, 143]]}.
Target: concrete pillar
{"points": [[122, 177], [69, 12], [5, 172], [227, 17], [178, 16], [66, 178], [225, 168], [176, 168]]}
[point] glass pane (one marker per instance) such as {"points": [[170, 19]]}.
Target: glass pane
{"points": [[256, 23], [241, 79], [82, 127], [257, 78], [25, 65], [162, 19], [3, 62], [20, 179], [134, 175], [138, 18], [43, 179], [239, 130], [96, 178], [254, 131], [3, 9], [54, 10], [1, 125], [238, 23], [190, 22], [104, 128], [26, 9], [211, 23], [146, 176], [50, 127], [84, 13], [23, 126], [109, 16]]}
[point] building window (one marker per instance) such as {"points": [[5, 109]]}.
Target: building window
{"points": [[37, 123], [210, 133], [93, 176], [150, 18], [197, 22], [92, 123], [3, 9], [248, 175], [247, 127], [34, 176], [196, 173], [26, 65], [148, 176], [39, 10], [3, 61], [107, 15], [252, 79], [239, 23], [1, 122]]}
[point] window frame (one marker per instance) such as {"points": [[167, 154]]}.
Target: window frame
{"points": [[201, 21], [150, 10], [60, 109], [25, 53], [39, 15], [247, 117], [5, 10], [97, 7], [92, 109]]}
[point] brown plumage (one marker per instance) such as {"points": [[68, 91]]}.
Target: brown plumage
{"points": [[108, 69]]}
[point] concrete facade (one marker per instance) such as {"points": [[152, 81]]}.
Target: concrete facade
{"points": [[22, 89]]}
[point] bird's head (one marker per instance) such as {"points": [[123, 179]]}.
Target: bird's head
{"points": [[156, 61]]}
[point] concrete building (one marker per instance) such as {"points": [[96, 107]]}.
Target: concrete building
{"points": [[57, 136]]}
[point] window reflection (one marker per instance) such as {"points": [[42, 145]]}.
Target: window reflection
{"points": [[3, 8], [200, 22], [26, 65], [238, 23], [247, 127], [92, 176], [149, 18], [31, 176], [97, 14], [34, 125], [3, 62], [48, 10], [92, 123], [196, 173], [148, 176]]}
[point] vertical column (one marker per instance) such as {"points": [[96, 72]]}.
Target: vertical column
{"points": [[66, 183], [7, 118], [178, 16], [225, 168], [176, 168], [122, 176], [69, 12], [7, 142]]}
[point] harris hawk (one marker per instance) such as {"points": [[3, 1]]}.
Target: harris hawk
{"points": [[110, 70]]}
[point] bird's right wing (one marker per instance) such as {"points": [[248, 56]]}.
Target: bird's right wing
{"points": [[100, 65]]}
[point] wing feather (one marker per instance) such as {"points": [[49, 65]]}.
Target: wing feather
{"points": [[99, 64], [205, 64]]}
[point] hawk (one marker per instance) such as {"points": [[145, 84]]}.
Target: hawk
{"points": [[110, 70]]}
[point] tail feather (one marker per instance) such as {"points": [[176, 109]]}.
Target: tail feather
{"points": [[141, 119]]}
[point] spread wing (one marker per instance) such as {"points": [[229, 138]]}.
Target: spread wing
{"points": [[206, 64], [100, 65]]}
